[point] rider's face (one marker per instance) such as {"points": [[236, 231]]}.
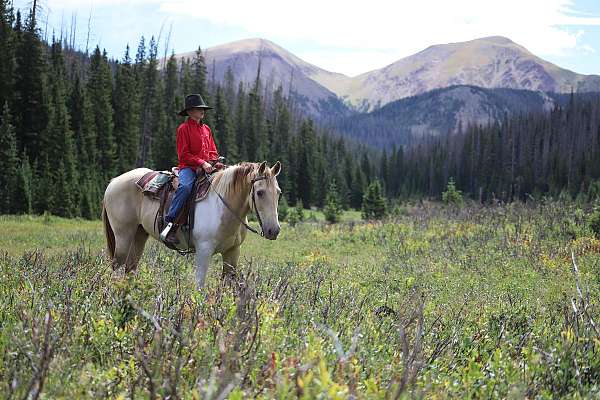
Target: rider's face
{"points": [[196, 113]]}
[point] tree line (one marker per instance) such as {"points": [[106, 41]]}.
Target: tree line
{"points": [[71, 121], [519, 157]]}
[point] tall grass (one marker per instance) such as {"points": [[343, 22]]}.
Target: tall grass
{"points": [[438, 302]]}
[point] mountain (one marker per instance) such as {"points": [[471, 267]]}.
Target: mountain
{"points": [[492, 62], [277, 67], [430, 92], [442, 111]]}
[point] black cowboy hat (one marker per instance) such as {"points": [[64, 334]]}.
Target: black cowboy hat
{"points": [[193, 101]]}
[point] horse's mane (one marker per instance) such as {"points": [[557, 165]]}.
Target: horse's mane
{"points": [[234, 179]]}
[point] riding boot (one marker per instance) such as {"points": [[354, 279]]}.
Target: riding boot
{"points": [[169, 234]]}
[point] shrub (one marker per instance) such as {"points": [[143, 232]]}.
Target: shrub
{"points": [[283, 208], [296, 214], [373, 202], [452, 195], [594, 222], [333, 208]]}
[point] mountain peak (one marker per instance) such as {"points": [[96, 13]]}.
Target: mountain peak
{"points": [[495, 39], [248, 45]]}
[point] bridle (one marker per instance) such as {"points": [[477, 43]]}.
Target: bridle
{"points": [[251, 229]]}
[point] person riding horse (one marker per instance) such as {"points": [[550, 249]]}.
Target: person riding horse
{"points": [[196, 152]]}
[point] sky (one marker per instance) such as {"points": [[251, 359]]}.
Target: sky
{"points": [[351, 37]]}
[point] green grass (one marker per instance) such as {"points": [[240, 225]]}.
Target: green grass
{"points": [[436, 303]]}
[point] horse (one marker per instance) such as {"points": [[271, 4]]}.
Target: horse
{"points": [[220, 220]]}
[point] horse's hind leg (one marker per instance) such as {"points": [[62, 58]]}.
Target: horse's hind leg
{"points": [[129, 245], [139, 241]]}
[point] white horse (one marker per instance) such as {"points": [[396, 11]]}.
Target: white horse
{"points": [[220, 221]]}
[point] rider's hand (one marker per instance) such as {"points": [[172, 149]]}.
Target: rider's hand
{"points": [[207, 167], [219, 165]]}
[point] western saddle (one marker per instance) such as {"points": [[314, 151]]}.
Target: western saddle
{"points": [[161, 186]]}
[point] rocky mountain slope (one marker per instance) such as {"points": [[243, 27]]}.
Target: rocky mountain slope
{"points": [[442, 111], [492, 62], [278, 67]]}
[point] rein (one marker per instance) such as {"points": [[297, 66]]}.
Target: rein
{"points": [[251, 229]]}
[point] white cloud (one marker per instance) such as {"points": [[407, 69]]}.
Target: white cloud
{"points": [[398, 28], [352, 36]]}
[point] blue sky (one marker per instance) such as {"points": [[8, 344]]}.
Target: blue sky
{"points": [[348, 36]]}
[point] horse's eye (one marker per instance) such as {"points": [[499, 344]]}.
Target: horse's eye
{"points": [[260, 193]]}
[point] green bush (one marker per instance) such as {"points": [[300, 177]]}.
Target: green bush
{"points": [[452, 195], [333, 209], [594, 222], [283, 208], [296, 214], [374, 206]]}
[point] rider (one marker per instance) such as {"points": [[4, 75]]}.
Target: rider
{"points": [[196, 152]]}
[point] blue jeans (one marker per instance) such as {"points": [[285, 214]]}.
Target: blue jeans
{"points": [[187, 176]]}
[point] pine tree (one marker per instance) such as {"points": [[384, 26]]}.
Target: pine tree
{"points": [[31, 91], [23, 194], [229, 89], [59, 140], [185, 72], [153, 116], [373, 206], [100, 94], [240, 122], [165, 154], [252, 126], [126, 114], [83, 126], [199, 85], [305, 179], [224, 133], [452, 195], [9, 164], [8, 42], [199, 75], [281, 143], [42, 185], [333, 208]]}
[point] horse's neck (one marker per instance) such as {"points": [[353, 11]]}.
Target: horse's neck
{"points": [[238, 203]]}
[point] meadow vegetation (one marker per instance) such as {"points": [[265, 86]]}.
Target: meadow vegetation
{"points": [[434, 302]]}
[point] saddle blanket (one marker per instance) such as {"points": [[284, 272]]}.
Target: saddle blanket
{"points": [[152, 182]]}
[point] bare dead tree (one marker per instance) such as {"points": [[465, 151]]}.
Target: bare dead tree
{"points": [[89, 28], [167, 43]]}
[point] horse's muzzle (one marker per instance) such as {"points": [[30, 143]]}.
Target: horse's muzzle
{"points": [[272, 233]]}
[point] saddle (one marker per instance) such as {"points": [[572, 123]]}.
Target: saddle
{"points": [[161, 186]]}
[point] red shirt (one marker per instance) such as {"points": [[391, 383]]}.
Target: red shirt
{"points": [[195, 144]]}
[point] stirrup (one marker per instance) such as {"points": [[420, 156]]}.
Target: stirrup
{"points": [[165, 232]]}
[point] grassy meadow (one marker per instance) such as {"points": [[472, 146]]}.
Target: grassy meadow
{"points": [[435, 302]]}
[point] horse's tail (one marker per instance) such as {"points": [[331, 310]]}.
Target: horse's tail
{"points": [[108, 232]]}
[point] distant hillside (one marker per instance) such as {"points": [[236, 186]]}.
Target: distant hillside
{"points": [[278, 67], [442, 111], [492, 62], [431, 92]]}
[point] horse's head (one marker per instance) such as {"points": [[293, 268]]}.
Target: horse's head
{"points": [[264, 198]]}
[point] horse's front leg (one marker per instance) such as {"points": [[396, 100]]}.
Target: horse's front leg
{"points": [[204, 252], [230, 262]]}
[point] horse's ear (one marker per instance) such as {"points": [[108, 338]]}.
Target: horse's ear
{"points": [[262, 167], [276, 169]]}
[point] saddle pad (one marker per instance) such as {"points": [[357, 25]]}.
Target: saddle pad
{"points": [[153, 181], [203, 185]]}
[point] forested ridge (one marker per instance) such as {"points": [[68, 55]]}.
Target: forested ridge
{"points": [[70, 121], [519, 157]]}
